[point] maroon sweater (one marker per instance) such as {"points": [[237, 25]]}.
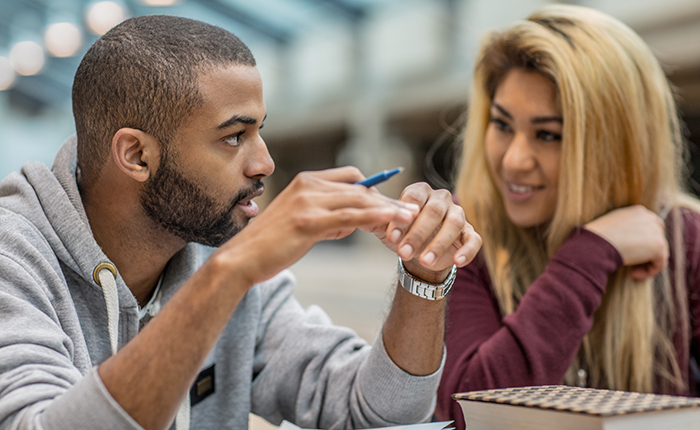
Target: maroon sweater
{"points": [[536, 344]]}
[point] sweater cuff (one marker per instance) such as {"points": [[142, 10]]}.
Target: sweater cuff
{"points": [[86, 405], [588, 253], [412, 398]]}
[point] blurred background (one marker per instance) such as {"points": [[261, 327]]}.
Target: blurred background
{"points": [[373, 83]]}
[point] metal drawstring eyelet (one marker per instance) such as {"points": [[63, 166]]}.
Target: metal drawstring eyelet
{"points": [[98, 269]]}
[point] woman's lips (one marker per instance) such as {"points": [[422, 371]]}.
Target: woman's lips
{"points": [[521, 192]]}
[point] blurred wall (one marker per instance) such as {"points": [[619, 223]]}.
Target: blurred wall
{"points": [[374, 83]]}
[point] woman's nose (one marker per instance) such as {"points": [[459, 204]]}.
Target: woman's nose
{"points": [[519, 156]]}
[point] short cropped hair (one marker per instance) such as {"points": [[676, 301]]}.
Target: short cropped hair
{"points": [[143, 74]]}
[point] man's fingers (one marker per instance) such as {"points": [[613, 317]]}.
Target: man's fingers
{"points": [[443, 242], [429, 222], [321, 189], [347, 174], [472, 244], [417, 194], [329, 223], [348, 196]]}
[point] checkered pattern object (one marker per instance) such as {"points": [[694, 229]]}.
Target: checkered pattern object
{"points": [[581, 400]]}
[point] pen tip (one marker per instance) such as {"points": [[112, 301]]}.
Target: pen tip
{"points": [[401, 169]]}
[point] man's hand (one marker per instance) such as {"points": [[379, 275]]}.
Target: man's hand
{"points": [[315, 206], [437, 238]]}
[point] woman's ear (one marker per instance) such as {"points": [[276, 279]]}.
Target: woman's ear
{"points": [[135, 153]]}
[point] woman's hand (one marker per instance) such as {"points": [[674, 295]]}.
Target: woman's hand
{"points": [[639, 235]]}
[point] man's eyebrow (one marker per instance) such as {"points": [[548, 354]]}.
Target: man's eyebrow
{"points": [[535, 120], [239, 119]]}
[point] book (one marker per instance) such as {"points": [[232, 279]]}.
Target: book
{"points": [[286, 425], [559, 407]]}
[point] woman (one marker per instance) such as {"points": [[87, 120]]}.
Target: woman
{"points": [[589, 272]]}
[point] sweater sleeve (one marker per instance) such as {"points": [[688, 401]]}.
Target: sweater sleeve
{"points": [[318, 375], [535, 344], [691, 236]]}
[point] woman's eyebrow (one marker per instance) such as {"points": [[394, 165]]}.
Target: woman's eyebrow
{"points": [[501, 110], [535, 120], [542, 119]]}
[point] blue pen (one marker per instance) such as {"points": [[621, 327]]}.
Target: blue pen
{"points": [[380, 177]]}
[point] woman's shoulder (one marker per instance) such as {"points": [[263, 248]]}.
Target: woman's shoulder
{"points": [[687, 214], [688, 208]]}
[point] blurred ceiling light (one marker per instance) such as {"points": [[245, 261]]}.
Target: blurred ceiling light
{"points": [[7, 74], [160, 2], [104, 15], [63, 39], [27, 57]]}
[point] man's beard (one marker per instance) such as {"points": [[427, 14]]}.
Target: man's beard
{"points": [[184, 209]]}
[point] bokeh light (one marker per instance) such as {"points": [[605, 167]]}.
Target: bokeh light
{"points": [[63, 39], [104, 15], [7, 74], [27, 57], [160, 2]]}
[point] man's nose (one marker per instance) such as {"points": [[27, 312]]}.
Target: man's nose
{"points": [[260, 163]]}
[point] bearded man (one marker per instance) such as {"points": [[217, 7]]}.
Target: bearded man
{"points": [[134, 294]]}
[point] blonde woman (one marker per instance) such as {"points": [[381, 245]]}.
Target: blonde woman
{"points": [[590, 268]]}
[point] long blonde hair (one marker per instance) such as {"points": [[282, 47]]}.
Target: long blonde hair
{"points": [[621, 146]]}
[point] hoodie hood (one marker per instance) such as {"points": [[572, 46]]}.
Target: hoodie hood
{"points": [[49, 199]]}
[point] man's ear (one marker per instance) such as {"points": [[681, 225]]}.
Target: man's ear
{"points": [[135, 153]]}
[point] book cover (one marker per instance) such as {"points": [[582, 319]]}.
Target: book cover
{"points": [[286, 425], [564, 407]]}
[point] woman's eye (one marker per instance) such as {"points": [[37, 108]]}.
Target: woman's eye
{"points": [[500, 124], [548, 136], [234, 139]]}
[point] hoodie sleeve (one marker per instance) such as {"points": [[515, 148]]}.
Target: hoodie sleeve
{"points": [[41, 386], [318, 375]]}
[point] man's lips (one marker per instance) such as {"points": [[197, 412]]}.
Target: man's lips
{"points": [[247, 199], [248, 206]]}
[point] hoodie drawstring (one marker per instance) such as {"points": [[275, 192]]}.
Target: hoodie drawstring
{"points": [[182, 419], [105, 275]]}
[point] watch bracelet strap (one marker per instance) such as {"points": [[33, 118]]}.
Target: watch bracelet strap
{"points": [[423, 289]]}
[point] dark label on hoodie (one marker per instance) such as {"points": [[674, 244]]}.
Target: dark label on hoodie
{"points": [[203, 386]]}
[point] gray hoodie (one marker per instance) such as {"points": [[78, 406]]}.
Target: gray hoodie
{"points": [[274, 358]]}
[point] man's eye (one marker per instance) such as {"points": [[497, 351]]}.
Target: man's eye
{"points": [[234, 139]]}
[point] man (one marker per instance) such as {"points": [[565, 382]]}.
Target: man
{"points": [[168, 158]]}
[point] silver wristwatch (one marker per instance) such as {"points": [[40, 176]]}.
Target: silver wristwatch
{"points": [[424, 289]]}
